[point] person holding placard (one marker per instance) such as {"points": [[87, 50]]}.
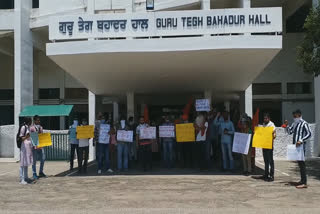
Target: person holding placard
{"points": [[144, 145], [113, 148], [103, 148], [74, 143], [246, 159], [167, 144], [123, 148], [227, 130], [203, 155], [301, 133], [83, 151], [37, 152], [268, 153], [26, 156]]}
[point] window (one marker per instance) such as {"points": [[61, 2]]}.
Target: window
{"points": [[6, 4], [76, 93], [35, 3], [6, 94], [299, 88], [49, 93], [266, 88]]}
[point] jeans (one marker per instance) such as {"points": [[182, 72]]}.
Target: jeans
{"points": [[204, 154], [103, 153], [74, 148], [168, 153], [38, 154], [303, 170], [123, 155], [246, 159], [83, 158], [268, 162], [227, 154], [23, 173]]}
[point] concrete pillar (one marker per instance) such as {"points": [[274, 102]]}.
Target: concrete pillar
{"points": [[92, 119], [130, 104], [205, 4], [246, 101], [115, 112], [227, 105], [23, 62], [245, 3]]}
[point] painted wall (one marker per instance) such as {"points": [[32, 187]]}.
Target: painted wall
{"points": [[47, 7]]}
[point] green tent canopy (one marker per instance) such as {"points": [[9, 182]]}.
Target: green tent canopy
{"points": [[46, 110]]}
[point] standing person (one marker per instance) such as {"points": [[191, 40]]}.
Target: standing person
{"points": [[26, 156], [212, 136], [113, 148], [217, 122], [246, 159], [133, 145], [268, 153], [301, 133], [83, 152], [74, 142], [227, 131], [123, 148], [103, 151], [167, 145], [201, 126], [144, 146], [38, 153]]}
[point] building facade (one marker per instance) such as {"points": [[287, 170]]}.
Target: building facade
{"points": [[238, 53]]}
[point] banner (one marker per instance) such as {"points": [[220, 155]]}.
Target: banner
{"points": [[241, 143], [185, 132], [34, 138], [166, 131], [295, 153], [148, 133], [125, 136], [44, 140], [203, 105], [263, 137], [85, 132], [73, 133], [104, 136]]}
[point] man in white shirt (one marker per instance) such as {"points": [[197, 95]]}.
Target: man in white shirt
{"points": [[268, 153]]}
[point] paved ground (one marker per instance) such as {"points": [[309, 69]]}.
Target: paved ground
{"points": [[177, 191]]}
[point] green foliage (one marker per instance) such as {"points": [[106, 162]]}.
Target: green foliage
{"points": [[309, 50]]}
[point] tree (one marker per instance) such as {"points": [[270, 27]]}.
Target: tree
{"points": [[309, 50]]}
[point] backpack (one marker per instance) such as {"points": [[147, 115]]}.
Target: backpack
{"points": [[19, 139]]}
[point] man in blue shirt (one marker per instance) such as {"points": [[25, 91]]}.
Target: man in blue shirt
{"points": [[226, 128]]}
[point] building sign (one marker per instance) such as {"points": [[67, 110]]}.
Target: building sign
{"points": [[169, 23]]}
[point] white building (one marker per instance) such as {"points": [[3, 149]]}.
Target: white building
{"points": [[180, 49]]}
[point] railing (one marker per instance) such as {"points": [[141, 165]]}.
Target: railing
{"points": [[60, 149]]}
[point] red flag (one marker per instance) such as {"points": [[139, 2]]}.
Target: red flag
{"points": [[255, 119], [146, 114]]}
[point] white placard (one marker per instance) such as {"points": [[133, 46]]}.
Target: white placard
{"points": [[241, 143], [166, 131], [125, 136], [166, 23], [148, 133], [295, 153], [203, 105], [104, 137]]}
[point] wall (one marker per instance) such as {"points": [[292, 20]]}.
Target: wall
{"points": [[283, 139], [47, 7], [307, 109], [7, 136]]}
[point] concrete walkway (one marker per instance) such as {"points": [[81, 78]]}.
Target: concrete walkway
{"points": [[182, 192]]}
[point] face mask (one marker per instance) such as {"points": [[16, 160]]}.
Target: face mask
{"points": [[123, 123], [296, 120], [130, 123]]}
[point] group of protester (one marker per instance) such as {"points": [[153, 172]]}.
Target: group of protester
{"points": [[29, 154], [214, 137]]}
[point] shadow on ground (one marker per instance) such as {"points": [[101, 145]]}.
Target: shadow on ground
{"points": [[157, 169], [313, 168]]}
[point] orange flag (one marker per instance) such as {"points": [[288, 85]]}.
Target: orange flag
{"points": [[255, 119], [146, 114]]}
